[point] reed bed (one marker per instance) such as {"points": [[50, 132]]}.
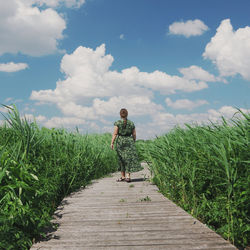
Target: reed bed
{"points": [[206, 170], [38, 168]]}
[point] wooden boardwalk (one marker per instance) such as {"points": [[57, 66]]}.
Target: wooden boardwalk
{"points": [[112, 215]]}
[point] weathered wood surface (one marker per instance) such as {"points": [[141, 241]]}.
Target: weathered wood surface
{"points": [[115, 215]]}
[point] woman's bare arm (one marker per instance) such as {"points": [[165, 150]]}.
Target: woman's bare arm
{"points": [[134, 134], [114, 136]]}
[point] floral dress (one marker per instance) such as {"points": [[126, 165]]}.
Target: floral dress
{"points": [[125, 147]]}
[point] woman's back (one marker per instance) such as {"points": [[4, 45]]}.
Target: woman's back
{"points": [[125, 129]]}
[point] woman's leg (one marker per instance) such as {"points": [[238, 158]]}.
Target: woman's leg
{"points": [[121, 167], [123, 174], [122, 178], [128, 179]]}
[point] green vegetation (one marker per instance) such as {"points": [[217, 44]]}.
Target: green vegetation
{"points": [[38, 168], [205, 169], [147, 198]]}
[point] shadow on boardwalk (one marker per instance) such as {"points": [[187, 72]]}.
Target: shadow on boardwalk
{"points": [[139, 179]]}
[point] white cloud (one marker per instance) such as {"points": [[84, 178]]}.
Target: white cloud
{"points": [[229, 50], [163, 122], [3, 110], [122, 37], [91, 92], [91, 95], [137, 105], [71, 123], [185, 103], [167, 84], [197, 73], [12, 67], [158, 122], [64, 122], [189, 28], [91, 87], [98, 108], [40, 118], [29, 30], [12, 100], [56, 3], [225, 111]]}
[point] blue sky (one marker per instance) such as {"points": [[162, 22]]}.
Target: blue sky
{"points": [[71, 63]]}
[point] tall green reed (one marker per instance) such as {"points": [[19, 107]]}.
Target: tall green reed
{"points": [[38, 168], [205, 169]]}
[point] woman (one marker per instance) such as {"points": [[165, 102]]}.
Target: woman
{"points": [[125, 133]]}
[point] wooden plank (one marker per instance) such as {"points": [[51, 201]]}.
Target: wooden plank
{"points": [[119, 215]]}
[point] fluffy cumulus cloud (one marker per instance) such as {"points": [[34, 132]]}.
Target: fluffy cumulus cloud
{"points": [[229, 50], [12, 67], [158, 122], [90, 89], [91, 94], [63, 122], [162, 122], [136, 104], [185, 103], [197, 73], [189, 28], [26, 29], [56, 3]]}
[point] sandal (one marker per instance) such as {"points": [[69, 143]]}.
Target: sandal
{"points": [[128, 180], [120, 179]]}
